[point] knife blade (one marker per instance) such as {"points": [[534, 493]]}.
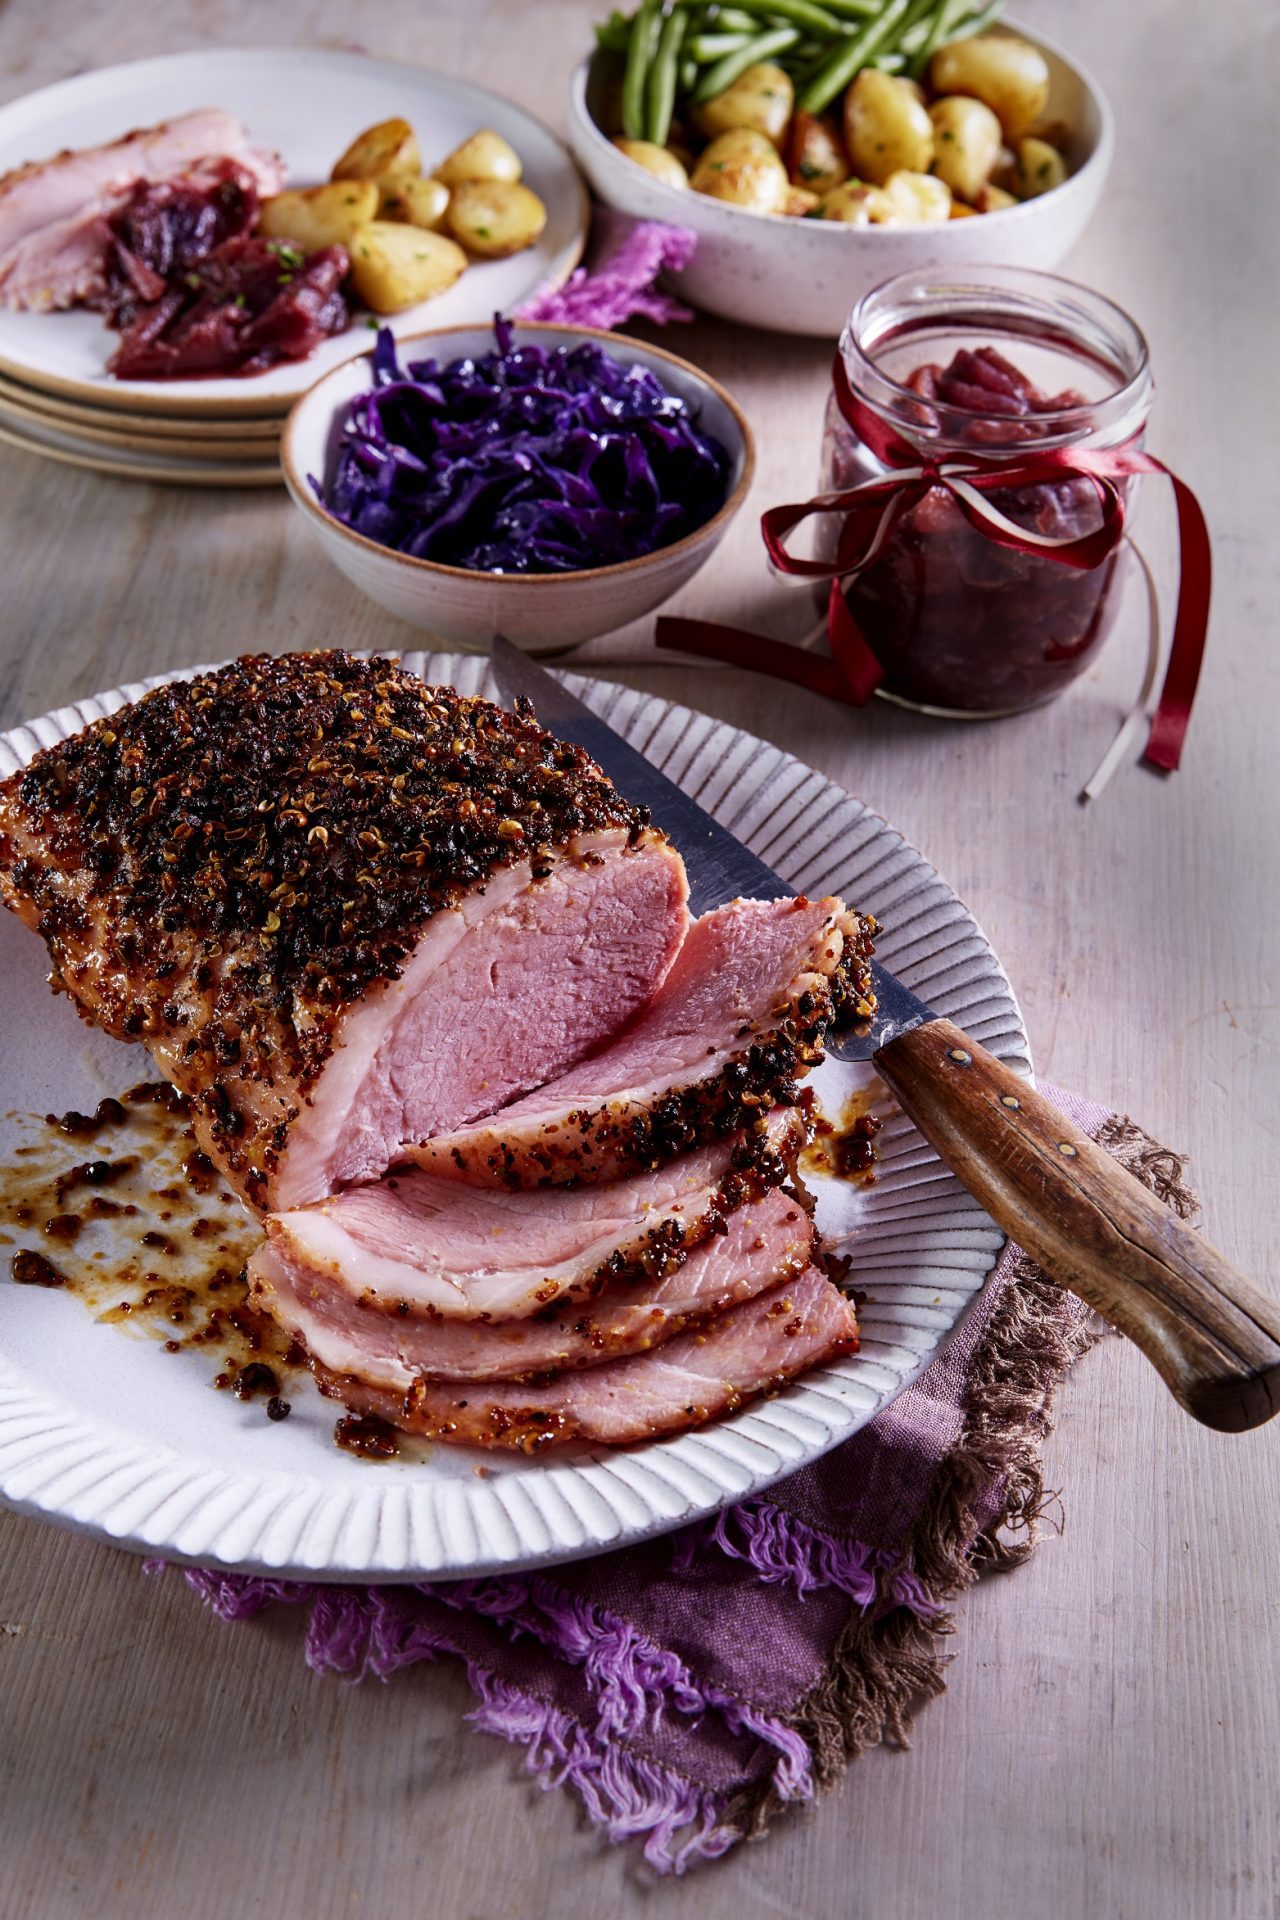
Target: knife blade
{"points": [[719, 866], [1210, 1333]]}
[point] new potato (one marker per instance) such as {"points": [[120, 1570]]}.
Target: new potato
{"points": [[817, 159], [967, 142], [887, 128], [762, 98], [316, 217], [390, 147], [659, 161], [1039, 168], [495, 217], [921, 199], [485, 156], [394, 266], [1005, 73], [854, 205], [743, 167], [421, 201]]}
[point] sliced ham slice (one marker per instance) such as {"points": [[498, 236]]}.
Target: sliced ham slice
{"points": [[711, 1370], [764, 1242], [53, 213], [738, 1019], [342, 909], [415, 1245]]}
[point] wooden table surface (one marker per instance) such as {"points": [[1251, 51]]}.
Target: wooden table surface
{"points": [[1108, 1746]]}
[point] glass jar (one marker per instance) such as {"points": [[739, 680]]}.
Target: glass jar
{"points": [[970, 365]]}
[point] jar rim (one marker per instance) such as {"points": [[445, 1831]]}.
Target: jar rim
{"points": [[1009, 300]]}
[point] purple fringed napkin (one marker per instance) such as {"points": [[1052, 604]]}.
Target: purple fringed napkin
{"points": [[690, 1688]]}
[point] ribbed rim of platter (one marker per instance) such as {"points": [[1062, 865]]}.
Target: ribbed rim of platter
{"points": [[924, 1253]]}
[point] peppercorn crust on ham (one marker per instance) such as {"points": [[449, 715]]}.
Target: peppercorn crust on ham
{"points": [[343, 910]]}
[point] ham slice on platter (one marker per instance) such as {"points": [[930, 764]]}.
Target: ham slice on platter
{"points": [[763, 1243], [54, 214], [738, 1019], [524, 1140], [711, 1370]]}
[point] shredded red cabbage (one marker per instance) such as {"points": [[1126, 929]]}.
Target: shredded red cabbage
{"points": [[522, 461]]}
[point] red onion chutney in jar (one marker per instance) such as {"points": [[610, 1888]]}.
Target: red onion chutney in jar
{"points": [[947, 368]]}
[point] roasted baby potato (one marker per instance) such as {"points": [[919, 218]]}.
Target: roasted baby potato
{"points": [[1040, 167], [659, 161], [495, 217], [966, 138], [799, 202], [743, 167], [1007, 74], [886, 127], [920, 199], [816, 160], [857, 206], [409, 196], [485, 156], [390, 147], [318, 217], [994, 199], [394, 266], [762, 98]]}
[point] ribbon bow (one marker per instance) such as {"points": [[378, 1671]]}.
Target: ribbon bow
{"points": [[870, 512]]}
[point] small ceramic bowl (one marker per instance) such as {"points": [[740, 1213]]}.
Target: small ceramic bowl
{"points": [[540, 612], [803, 276]]}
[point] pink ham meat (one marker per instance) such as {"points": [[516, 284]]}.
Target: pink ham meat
{"points": [[700, 1374], [343, 910], [54, 237], [738, 1019], [416, 1246], [764, 1243]]}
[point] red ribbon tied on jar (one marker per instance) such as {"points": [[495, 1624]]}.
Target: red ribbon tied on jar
{"points": [[870, 512]]}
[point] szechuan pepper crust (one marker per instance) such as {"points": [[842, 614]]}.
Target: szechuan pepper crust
{"points": [[222, 868]]}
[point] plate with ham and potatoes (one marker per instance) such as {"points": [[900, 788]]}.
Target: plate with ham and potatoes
{"points": [[440, 1130], [208, 233]]}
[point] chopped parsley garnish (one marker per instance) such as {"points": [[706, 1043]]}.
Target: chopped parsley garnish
{"points": [[288, 256]]}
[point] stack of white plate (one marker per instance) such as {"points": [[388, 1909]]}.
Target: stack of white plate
{"points": [[56, 396]]}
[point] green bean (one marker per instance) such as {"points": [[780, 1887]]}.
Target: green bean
{"points": [[735, 20], [614, 33], [800, 13], [721, 76], [660, 93], [706, 47], [976, 23], [889, 62], [940, 30], [849, 56], [645, 28], [688, 74]]}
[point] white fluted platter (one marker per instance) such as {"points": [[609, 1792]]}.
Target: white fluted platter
{"points": [[105, 1432]]}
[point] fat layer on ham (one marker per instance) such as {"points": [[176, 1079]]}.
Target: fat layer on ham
{"points": [[738, 1019], [763, 1243], [710, 1370]]}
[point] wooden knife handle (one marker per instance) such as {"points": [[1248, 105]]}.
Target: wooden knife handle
{"points": [[1213, 1336]]}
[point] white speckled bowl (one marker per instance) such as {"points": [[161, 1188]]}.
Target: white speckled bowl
{"points": [[803, 276], [539, 612]]}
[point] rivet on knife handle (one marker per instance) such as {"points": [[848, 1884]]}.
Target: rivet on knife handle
{"points": [[1213, 1336]]}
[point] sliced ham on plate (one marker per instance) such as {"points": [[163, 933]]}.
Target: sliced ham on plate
{"points": [[710, 1370], [739, 1018], [763, 1243], [54, 236], [414, 1245]]}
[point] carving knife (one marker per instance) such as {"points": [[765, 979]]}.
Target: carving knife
{"points": [[1212, 1335]]}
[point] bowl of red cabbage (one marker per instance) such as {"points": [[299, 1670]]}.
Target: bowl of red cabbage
{"points": [[547, 483]]}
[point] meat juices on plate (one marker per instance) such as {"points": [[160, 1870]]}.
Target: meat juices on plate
{"points": [[348, 913]]}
